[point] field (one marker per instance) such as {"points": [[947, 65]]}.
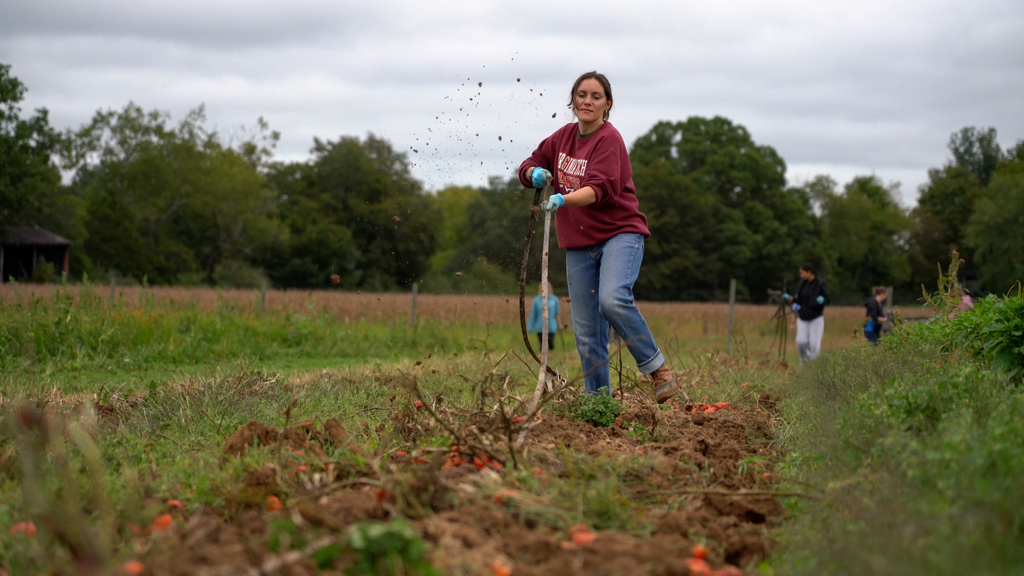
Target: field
{"points": [[172, 431], [705, 325]]}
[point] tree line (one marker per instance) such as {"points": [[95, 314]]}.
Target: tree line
{"points": [[172, 202]]}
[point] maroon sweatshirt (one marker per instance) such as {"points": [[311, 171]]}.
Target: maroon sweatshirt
{"points": [[598, 160]]}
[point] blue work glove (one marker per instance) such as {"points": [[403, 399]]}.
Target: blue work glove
{"points": [[820, 300], [540, 177], [796, 307], [785, 296], [554, 202]]}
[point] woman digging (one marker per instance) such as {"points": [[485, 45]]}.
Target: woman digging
{"points": [[599, 225]]}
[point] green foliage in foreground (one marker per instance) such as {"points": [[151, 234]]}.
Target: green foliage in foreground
{"points": [[391, 548], [919, 449], [599, 409]]}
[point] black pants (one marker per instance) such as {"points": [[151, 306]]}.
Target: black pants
{"points": [[551, 340]]}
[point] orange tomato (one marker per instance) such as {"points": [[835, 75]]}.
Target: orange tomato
{"points": [[581, 535], [176, 504], [699, 551], [503, 496], [161, 522], [133, 567], [698, 567], [499, 568], [274, 503], [26, 528]]}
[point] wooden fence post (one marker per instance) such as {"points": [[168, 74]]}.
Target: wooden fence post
{"points": [[732, 306], [412, 314]]}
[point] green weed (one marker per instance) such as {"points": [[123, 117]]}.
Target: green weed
{"points": [[599, 409], [389, 549]]}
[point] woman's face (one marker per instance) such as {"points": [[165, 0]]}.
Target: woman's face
{"points": [[590, 102], [806, 275]]}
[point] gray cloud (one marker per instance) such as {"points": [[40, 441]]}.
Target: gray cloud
{"points": [[859, 88]]}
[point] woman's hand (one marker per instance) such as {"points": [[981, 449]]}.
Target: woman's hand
{"points": [[553, 203], [540, 177]]}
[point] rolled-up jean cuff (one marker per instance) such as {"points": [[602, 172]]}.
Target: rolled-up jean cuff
{"points": [[655, 362]]}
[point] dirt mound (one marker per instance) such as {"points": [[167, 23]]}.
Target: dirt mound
{"points": [[303, 436], [701, 481]]}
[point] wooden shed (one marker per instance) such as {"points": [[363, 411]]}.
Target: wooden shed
{"points": [[22, 247]]}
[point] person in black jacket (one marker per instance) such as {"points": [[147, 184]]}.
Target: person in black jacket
{"points": [[809, 304], [874, 314]]}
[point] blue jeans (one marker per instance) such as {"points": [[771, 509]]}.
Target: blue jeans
{"points": [[601, 281]]}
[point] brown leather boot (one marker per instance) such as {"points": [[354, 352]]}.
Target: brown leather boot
{"points": [[665, 385]]}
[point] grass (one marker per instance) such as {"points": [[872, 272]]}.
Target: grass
{"points": [[110, 409], [917, 449], [117, 406], [233, 322]]}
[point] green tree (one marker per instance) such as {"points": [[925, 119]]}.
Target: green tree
{"points": [[316, 243], [865, 235], [721, 157], [995, 227], [977, 151], [30, 189], [938, 221], [682, 257], [729, 203], [453, 205], [367, 187], [167, 202], [495, 226], [947, 201]]}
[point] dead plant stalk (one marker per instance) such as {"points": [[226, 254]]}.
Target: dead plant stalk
{"points": [[542, 381]]}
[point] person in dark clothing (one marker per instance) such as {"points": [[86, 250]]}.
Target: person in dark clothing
{"points": [[874, 314], [809, 304]]}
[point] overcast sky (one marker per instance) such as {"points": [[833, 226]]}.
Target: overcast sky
{"points": [[468, 88]]}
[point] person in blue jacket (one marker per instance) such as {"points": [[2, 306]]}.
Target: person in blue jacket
{"points": [[536, 322], [809, 304]]}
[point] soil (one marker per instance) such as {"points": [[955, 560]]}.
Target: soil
{"points": [[693, 484]]}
